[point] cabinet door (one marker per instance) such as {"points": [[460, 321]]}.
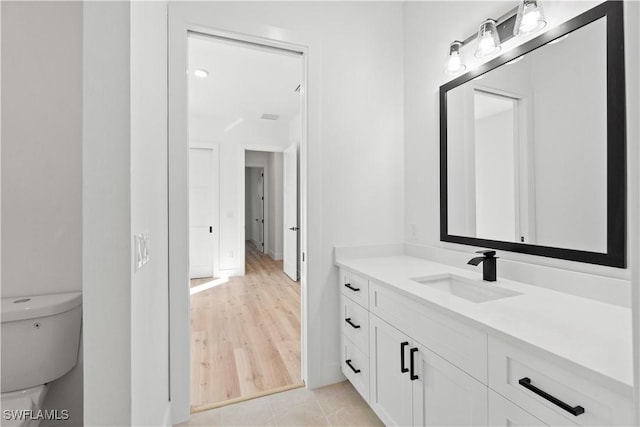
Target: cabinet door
{"points": [[390, 388], [444, 395], [504, 413]]}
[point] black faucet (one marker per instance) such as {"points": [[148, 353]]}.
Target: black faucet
{"points": [[489, 264]]}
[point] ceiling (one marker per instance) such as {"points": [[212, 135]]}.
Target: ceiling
{"points": [[244, 82]]}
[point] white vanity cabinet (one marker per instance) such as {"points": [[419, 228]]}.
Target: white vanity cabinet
{"points": [[557, 394], [406, 382], [391, 393], [354, 313], [412, 385], [417, 363]]}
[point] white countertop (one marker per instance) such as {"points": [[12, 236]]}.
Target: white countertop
{"points": [[592, 334]]}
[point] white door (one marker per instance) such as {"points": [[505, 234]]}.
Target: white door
{"points": [[390, 385], [444, 395], [290, 212], [201, 212]]}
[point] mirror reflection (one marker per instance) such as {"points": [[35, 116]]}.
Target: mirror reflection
{"points": [[527, 147]]}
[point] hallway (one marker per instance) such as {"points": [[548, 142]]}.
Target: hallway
{"points": [[245, 335]]}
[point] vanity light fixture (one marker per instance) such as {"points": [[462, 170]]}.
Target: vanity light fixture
{"points": [[527, 18], [488, 39], [530, 18], [454, 64]]}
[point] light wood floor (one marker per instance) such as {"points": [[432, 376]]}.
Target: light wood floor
{"points": [[245, 334]]}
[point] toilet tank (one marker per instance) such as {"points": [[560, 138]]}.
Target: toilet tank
{"points": [[40, 338]]}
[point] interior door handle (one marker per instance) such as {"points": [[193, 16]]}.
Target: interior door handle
{"points": [[294, 228], [210, 229]]}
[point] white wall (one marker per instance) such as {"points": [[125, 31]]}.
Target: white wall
{"points": [[564, 185], [429, 27], [355, 132], [42, 162], [106, 222], [149, 285], [42, 149]]}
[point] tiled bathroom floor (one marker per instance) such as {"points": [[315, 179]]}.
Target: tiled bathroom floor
{"points": [[333, 405]]}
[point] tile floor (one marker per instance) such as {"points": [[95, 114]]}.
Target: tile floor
{"points": [[333, 405]]}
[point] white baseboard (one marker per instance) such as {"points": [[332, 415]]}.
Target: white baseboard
{"points": [[275, 255]]}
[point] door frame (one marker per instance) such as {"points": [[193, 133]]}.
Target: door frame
{"points": [[179, 26], [296, 147], [216, 199]]}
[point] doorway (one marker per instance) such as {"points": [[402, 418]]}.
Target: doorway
{"points": [[245, 99], [254, 207]]}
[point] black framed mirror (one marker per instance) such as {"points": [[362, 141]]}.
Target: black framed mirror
{"points": [[533, 146]]}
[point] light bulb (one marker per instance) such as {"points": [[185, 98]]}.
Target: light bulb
{"points": [[530, 18], [453, 64], [529, 21], [486, 44], [488, 39]]}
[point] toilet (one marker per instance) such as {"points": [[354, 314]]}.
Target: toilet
{"points": [[40, 342]]}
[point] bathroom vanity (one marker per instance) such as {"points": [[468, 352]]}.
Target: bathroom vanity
{"points": [[430, 344]]}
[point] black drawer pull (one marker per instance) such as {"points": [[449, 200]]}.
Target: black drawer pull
{"points": [[573, 410], [357, 371], [412, 374], [348, 320], [348, 285], [402, 367]]}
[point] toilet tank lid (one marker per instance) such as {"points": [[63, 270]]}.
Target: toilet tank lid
{"points": [[31, 307]]}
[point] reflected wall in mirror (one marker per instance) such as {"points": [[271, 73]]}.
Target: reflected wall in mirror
{"points": [[532, 146]]}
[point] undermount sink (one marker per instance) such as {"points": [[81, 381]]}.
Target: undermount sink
{"points": [[461, 287]]}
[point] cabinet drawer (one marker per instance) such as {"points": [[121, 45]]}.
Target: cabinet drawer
{"points": [[526, 379], [504, 413], [355, 324], [355, 287], [462, 345], [355, 366]]}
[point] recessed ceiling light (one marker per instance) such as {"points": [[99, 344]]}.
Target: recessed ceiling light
{"points": [[200, 73]]}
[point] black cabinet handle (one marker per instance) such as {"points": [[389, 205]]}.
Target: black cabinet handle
{"points": [[348, 285], [402, 346], [412, 374], [573, 410], [348, 320], [357, 371]]}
